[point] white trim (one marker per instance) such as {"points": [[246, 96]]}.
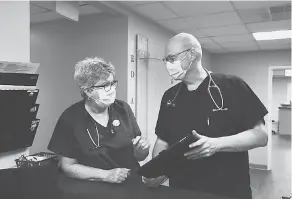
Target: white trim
{"points": [[270, 107], [132, 78]]}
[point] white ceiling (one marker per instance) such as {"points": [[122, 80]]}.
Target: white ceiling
{"points": [[221, 26], [42, 11]]}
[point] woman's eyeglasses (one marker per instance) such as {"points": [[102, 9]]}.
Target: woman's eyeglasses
{"points": [[107, 87]]}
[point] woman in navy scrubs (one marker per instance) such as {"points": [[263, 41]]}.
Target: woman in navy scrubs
{"points": [[98, 137]]}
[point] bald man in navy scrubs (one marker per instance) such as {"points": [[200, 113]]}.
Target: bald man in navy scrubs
{"points": [[221, 110], [98, 137]]}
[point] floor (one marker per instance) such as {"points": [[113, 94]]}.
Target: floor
{"points": [[276, 183]]}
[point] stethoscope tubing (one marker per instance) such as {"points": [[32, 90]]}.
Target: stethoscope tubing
{"points": [[171, 103]]}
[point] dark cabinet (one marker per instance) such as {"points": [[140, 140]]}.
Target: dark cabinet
{"points": [[18, 111]]}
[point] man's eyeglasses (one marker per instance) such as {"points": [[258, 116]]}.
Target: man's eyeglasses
{"points": [[172, 58], [107, 87]]}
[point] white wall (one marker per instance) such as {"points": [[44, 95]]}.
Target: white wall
{"points": [[289, 91], [253, 68], [15, 45], [280, 94], [14, 34], [58, 45], [152, 78], [207, 60]]}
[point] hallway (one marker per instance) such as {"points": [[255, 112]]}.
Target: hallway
{"points": [[276, 183]]}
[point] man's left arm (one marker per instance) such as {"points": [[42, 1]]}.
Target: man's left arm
{"points": [[244, 141]]}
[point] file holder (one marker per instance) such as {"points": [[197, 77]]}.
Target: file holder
{"points": [[18, 79], [18, 139]]}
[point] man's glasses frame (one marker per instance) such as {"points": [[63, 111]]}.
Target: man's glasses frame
{"points": [[171, 58]]}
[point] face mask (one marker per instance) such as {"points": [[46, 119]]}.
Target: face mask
{"points": [[105, 98], [175, 69]]}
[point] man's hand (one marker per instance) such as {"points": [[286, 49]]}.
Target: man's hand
{"points": [[141, 148], [117, 175], [154, 182], [204, 147]]}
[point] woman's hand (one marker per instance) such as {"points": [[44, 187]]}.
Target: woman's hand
{"points": [[154, 182], [117, 175], [141, 148]]}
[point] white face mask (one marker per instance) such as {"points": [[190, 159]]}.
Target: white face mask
{"points": [[105, 98], [175, 69]]}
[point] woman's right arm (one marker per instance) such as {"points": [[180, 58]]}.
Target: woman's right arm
{"points": [[72, 169]]}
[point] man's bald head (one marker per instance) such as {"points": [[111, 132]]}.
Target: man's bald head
{"points": [[183, 41]]}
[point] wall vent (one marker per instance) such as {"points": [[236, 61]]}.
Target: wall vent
{"points": [[282, 12]]}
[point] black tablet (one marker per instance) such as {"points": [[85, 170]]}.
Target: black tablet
{"points": [[168, 161]]}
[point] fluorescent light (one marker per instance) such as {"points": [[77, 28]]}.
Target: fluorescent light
{"points": [[281, 34]]}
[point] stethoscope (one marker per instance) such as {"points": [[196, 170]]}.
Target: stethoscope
{"points": [[103, 157], [171, 103], [97, 144]]}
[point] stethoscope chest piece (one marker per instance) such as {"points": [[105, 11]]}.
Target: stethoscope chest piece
{"points": [[169, 103], [219, 109]]}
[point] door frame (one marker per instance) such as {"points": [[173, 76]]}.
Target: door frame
{"points": [[270, 108]]}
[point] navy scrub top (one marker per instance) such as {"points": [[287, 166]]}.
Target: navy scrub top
{"points": [[70, 137], [225, 173]]}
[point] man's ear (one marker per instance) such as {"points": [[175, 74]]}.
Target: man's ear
{"points": [[193, 54]]}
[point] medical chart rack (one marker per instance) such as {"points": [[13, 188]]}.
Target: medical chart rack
{"points": [[18, 107]]}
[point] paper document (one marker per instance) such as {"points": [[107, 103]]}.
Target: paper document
{"points": [[18, 67]]}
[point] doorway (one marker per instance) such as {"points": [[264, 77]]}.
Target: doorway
{"points": [[279, 117]]}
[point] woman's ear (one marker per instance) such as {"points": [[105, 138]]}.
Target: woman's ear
{"points": [[87, 93]]}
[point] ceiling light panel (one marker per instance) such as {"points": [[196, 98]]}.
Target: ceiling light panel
{"points": [[174, 24], [225, 30], [215, 20], [256, 4], [273, 35], [155, 11], [280, 42], [233, 38], [195, 8], [255, 15], [247, 45]]}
